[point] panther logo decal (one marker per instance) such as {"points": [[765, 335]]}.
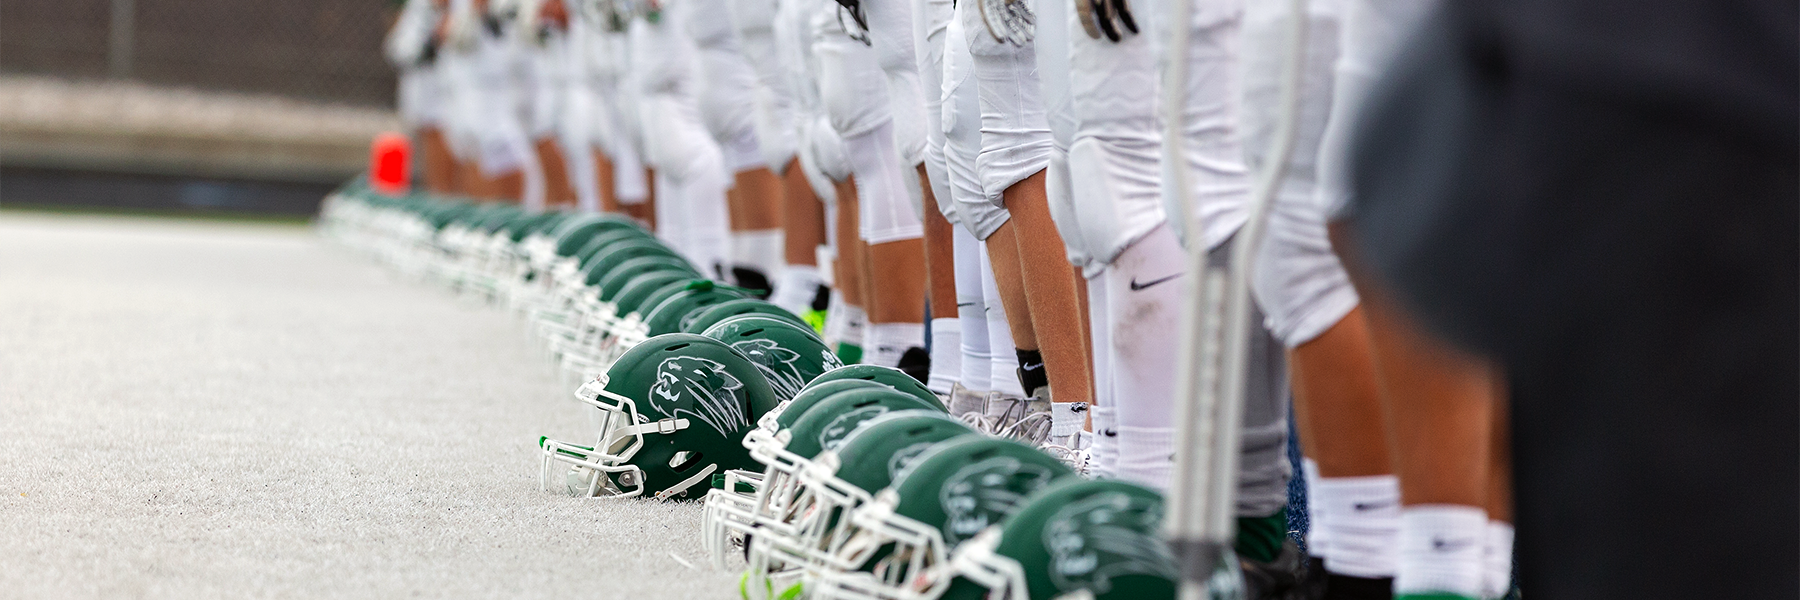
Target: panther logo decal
{"points": [[1098, 538], [840, 426], [904, 458], [985, 492], [779, 365], [717, 398]]}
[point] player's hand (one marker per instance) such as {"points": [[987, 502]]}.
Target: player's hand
{"points": [[1009, 21], [1111, 19]]}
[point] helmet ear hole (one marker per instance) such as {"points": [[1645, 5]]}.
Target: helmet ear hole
{"points": [[684, 460]]}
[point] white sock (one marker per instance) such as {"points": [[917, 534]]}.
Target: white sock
{"points": [[1067, 419], [795, 289], [1003, 359], [887, 341], [761, 250], [976, 370], [834, 320], [1441, 550], [1360, 519], [977, 361], [1318, 539], [1497, 559], [1146, 456], [1106, 443], [946, 354]]}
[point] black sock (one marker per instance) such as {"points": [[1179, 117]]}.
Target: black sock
{"points": [[1345, 587], [1031, 371], [917, 363]]}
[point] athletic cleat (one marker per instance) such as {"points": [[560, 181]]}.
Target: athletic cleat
{"points": [[1025, 419], [1279, 579]]}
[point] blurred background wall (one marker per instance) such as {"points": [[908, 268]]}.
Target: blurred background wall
{"points": [[255, 106]]}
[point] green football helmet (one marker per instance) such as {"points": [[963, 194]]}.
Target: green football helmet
{"points": [[789, 356], [599, 337], [846, 478], [744, 306], [732, 515], [768, 443], [575, 233], [568, 270], [674, 313], [674, 410], [887, 376], [615, 279], [948, 495], [1099, 539], [609, 257], [785, 507], [580, 291]]}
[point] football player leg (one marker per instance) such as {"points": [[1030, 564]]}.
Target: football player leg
{"points": [[989, 361], [1353, 497], [848, 277], [1015, 151], [690, 166], [855, 91], [1070, 421], [1362, 530], [1213, 156]]}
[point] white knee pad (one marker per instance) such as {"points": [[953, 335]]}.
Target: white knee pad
{"points": [[891, 38], [971, 310], [851, 83], [886, 212], [930, 18], [774, 116], [1265, 49], [977, 211], [1298, 279], [1213, 150], [940, 182], [1015, 132], [1061, 199], [826, 155], [1116, 182], [1370, 32]]}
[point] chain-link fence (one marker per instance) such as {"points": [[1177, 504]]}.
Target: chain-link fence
{"points": [[314, 49]]}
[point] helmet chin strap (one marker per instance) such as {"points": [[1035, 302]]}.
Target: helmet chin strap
{"points": [[682, 487]]}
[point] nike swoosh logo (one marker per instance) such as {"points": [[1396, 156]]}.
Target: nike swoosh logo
{"points": [[1029, 367], [1138, 287], [1371, 505], [1443, 545], [967, 304]]}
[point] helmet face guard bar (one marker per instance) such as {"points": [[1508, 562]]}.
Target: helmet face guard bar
{"points": [[976, 560], [621, 436]]}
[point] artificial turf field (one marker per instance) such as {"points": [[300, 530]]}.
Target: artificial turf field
{"points": [[198, 409]]}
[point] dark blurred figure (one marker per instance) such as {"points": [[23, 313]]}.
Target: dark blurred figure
{"points": [[1602, 195]]}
